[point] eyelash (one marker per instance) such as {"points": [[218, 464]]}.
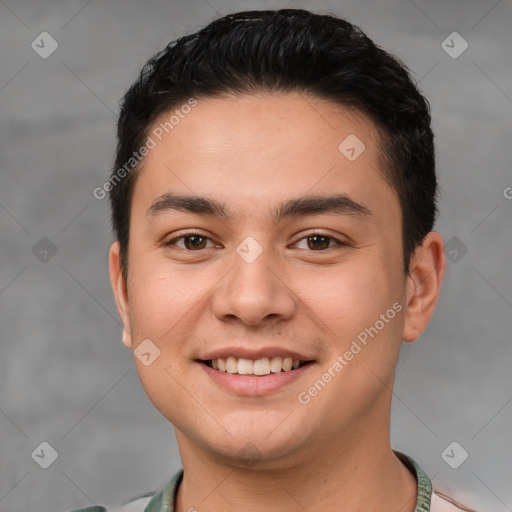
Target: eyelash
{"points": [[338, 243]]}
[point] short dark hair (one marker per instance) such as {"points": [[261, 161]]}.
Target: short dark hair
{"points": [[288, 50]]}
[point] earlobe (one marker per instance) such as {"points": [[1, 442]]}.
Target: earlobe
{"points": [[119, 288], [426, 272], [127, 340]]}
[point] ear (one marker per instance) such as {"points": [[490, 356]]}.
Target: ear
{"points": [[120, 291], [426, 272]]}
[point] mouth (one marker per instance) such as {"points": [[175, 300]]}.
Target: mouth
{"points": [[255, 367]]}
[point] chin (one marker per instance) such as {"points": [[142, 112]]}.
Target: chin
{"points": [[254, 457], [255, 449]]}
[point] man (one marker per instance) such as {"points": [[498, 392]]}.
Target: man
{"points": [[273, 200]]}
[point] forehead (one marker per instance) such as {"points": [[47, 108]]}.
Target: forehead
{"points": [[256, 150]]}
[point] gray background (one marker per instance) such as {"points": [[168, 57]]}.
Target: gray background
{"points": [[65, 377]]}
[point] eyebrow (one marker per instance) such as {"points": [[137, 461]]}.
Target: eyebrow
{"points": [[338, 204]]}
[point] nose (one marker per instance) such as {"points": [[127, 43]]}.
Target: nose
{"points": [[254, 292]]}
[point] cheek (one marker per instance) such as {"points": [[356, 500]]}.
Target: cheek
{"points": [[163, 304], [161, 299], [346, 299]]}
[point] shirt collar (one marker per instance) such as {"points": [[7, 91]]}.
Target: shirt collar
{"points": [[424, 487], [164, 500]]}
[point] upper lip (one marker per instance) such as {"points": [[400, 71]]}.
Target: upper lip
{"points": [[260, 353]]}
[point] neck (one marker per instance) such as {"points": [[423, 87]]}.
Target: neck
{"points": [[353, 472]]}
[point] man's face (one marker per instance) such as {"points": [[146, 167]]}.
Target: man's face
{"points": [[265, 281]]}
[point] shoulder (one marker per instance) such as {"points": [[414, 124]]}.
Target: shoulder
{"points": [[428, 498], [137, 504], [162, 500], [440, 502]]}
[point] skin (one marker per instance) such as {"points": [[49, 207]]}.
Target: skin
{"points": [[258, 453]]}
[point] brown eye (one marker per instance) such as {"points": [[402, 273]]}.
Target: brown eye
{"points": [[320, 242], [194, 242], [191, 242]]}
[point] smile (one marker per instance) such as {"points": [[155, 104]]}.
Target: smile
{"points": [[259, 367]]}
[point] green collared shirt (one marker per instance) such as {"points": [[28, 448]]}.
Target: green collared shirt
{"points": [[165, 500]]}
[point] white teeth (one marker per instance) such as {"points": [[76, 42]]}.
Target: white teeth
{"points": [[245, 366], [231, 365], [263, 366], [287, 364], [275, 364]]}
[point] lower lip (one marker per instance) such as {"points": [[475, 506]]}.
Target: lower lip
{"points": [[248, 385]]}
